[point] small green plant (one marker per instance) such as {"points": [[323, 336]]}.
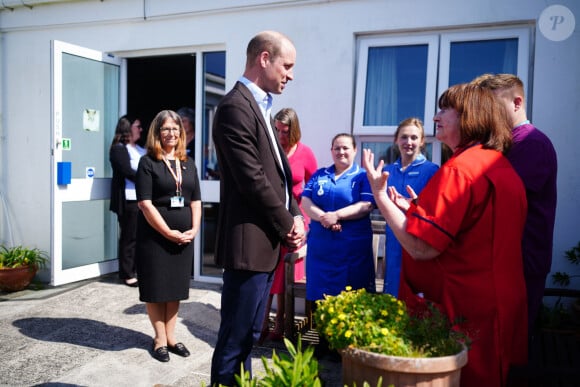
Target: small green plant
{"points": [[563, 278], [19, 256], [381, 323], [300, 368], [559, 315]]}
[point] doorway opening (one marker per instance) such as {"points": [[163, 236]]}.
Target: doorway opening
{"points": [[158, 83]]}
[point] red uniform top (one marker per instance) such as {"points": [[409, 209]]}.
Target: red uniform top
{"points": [[473, 210]]}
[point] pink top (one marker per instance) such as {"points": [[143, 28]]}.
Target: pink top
{"points": [[303, 165]]}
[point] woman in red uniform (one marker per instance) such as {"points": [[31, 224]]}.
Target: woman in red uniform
{"points": [[462, 236]]}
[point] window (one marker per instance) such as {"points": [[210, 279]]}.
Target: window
{"points": [[214, 78], [402, 76], [214, 88], [396, 80], [467, 54], [388, 152]]}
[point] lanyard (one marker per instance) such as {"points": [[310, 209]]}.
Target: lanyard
{"points": [[177, 176]]}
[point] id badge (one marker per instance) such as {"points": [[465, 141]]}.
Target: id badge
{"points": [[177, 201]]}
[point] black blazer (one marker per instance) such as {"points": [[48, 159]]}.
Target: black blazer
{"points": [[253, 218], [121, 164]]}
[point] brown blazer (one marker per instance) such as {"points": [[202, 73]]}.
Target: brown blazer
{"points": [[253, 219]]}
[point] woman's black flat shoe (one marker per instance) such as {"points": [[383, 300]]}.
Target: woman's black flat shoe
{"points": [[179, 349], [161, 354]]}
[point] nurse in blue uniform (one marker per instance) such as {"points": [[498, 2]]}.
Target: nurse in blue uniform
{"points": [[411, 169], [338, 200]]}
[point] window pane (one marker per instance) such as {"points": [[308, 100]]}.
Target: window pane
{"points": [[89, 233], [395, 84], [214, 70], [208, 238], [473, 58], [388, 152]]}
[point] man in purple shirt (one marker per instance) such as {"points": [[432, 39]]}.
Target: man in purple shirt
{"points": [[533, 157]]}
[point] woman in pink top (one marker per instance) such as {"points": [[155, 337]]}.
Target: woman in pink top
{"points": [[303, 165]]}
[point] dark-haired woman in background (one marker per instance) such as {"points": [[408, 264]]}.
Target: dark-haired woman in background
{"points": [[124, 156]]}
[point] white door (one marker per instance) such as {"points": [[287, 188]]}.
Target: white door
{"points": [[85, 110]]}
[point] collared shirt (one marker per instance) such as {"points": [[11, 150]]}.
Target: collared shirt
{"points": [[264, 101]]}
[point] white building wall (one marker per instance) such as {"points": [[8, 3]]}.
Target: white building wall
{"points": [[324, 33]]}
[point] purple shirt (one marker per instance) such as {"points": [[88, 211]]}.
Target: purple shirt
{"points": [[533, 157]]}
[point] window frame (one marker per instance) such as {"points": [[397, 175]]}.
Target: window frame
{"points": [[447, 38], [438, 63], [366, 42]]}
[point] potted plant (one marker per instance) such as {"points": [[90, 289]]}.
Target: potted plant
{"points": [[378, 337], [563, 279], [18, 266]]}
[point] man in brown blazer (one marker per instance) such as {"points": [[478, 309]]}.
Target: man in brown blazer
{"points": [[257, 211]]}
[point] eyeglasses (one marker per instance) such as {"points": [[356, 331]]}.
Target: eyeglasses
{"points": [[165, 130], [284, 133]]}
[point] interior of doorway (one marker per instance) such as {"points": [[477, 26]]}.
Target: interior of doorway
{"points": [[156, 83]]}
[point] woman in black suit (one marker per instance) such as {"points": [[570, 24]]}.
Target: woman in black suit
{"points": [[124, 156]]}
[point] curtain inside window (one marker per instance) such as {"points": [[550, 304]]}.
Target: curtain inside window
{"points": [[381, 87], [395, 85]]}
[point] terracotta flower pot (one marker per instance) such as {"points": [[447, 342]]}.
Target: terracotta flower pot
{"points": [[359, 366], [12, 280]]}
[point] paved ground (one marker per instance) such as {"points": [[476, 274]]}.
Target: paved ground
{"points": [[96, 333]]}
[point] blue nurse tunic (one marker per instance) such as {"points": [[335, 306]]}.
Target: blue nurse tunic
{"points": [[337, 259], [417, 174]]}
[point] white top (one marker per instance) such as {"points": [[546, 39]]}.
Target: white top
{"points": [[135, 153]]}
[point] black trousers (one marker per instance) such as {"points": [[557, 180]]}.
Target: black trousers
{"points": [[243, 304], [128, 240]]}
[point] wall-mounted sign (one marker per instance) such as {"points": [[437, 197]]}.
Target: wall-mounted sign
{"points": [[90, 172], [65, 142], [91, 120]]}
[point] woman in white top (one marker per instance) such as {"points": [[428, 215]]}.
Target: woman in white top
{"points": [[124, 156]]}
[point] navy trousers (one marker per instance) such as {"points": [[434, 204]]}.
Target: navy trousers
{"points": [[243, 302]]}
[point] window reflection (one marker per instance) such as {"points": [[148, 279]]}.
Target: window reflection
{"points": [[208, 236], [389, 153], [472, 58], [214, 66]]}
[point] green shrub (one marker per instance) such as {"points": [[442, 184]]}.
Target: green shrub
{"points": [[19, 256], [380, 323], [298, 369]]}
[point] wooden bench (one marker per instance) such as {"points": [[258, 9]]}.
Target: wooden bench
{"points": [[295, 289]]}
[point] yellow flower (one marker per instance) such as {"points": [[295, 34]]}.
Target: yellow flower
{"points": [[348, 334], [384, 331]]}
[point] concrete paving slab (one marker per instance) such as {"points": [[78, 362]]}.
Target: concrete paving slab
{"points": [[96, 333]]}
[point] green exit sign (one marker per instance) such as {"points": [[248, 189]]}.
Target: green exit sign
{"points": [[66, 144]]}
